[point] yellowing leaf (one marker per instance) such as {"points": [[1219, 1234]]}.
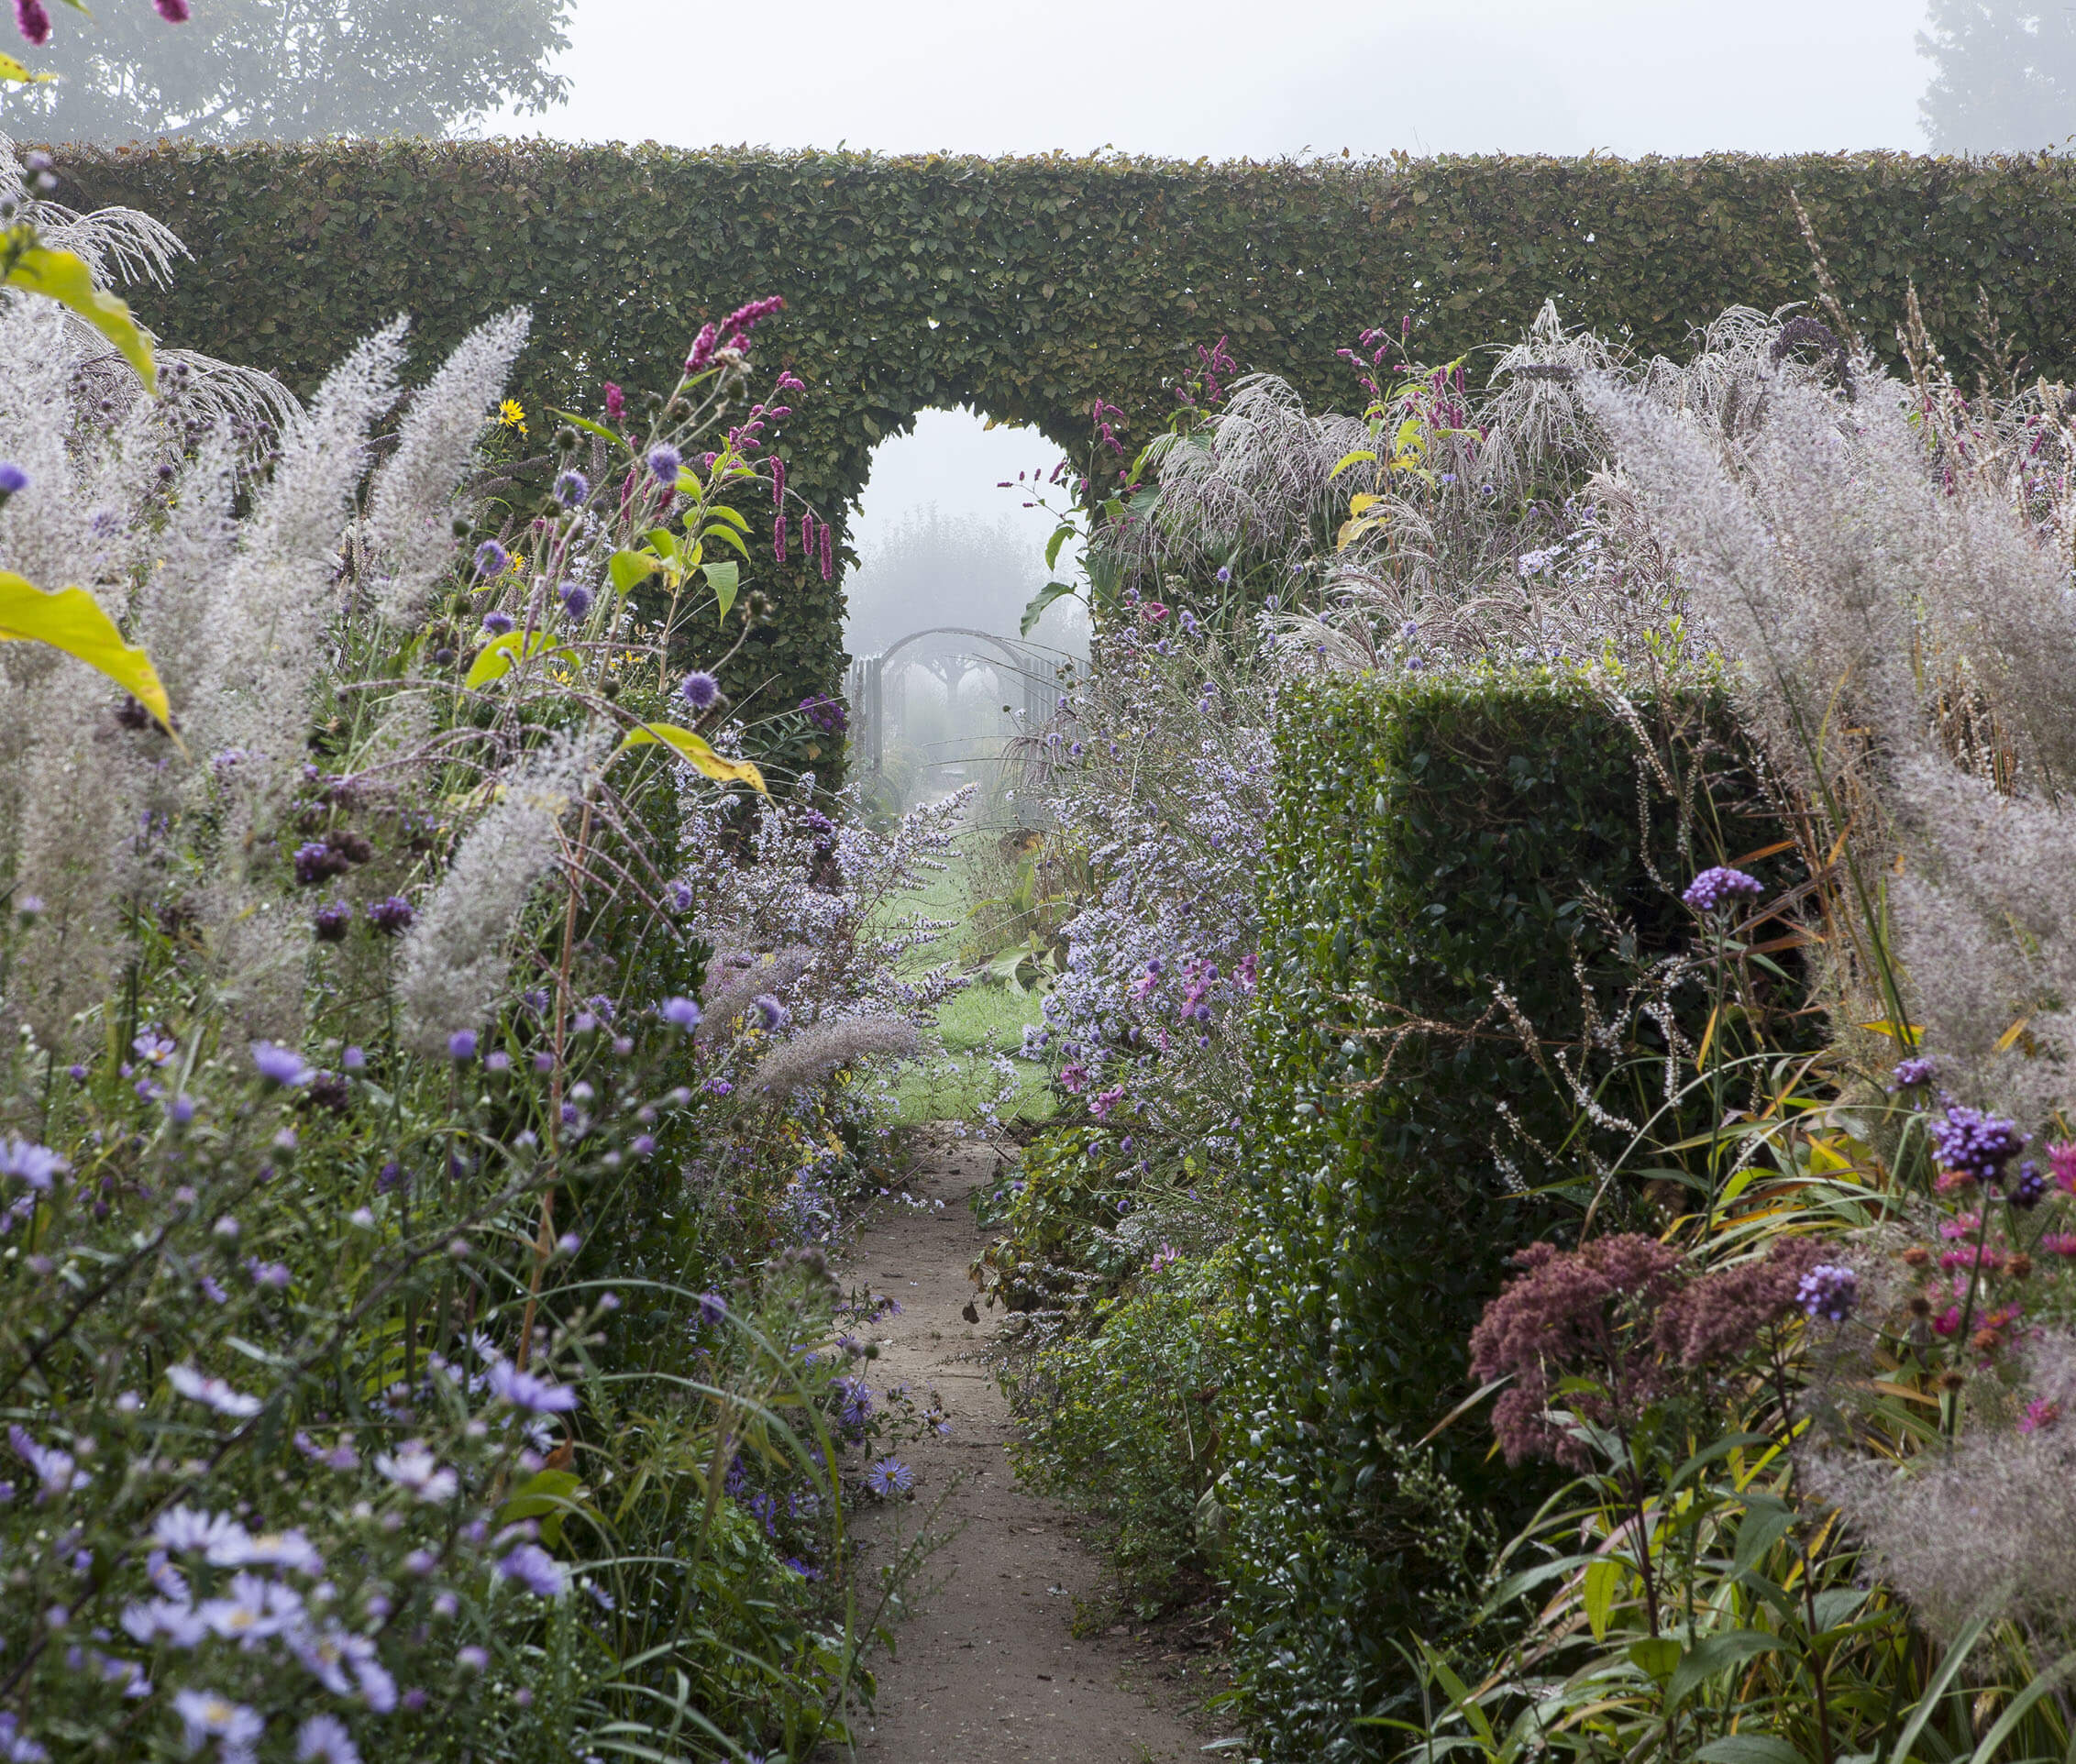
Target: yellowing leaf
{"points": [[696, 754], [1356, 504], [71, 620], [2010, 1036], [1348, 459], [64, 278], [1603, 1581], [501, 656], [11, 69]]}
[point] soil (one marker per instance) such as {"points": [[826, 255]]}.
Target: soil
{"points": [[986, 1666]]}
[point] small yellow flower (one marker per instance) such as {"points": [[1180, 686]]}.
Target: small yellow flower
{"points": [[513, 415]]}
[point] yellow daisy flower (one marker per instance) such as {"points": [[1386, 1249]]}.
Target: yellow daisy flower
{"points": [[513, 415]]}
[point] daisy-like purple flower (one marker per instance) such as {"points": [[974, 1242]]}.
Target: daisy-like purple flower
{"points": [[527, 1393], [699, 690], [209, 1714], [57, 1473], [419, 1473], [280, 1065], [323, 1739], [172, 1621], [535, 1570], [212, 1393], [37, 1165], [680, 1013], [1718, 888], [289, 1549], [889, 1477], [220, 1538]]}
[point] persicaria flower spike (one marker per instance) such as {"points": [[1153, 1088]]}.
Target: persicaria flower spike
{"points": [[1718, 887], [33, 21]]}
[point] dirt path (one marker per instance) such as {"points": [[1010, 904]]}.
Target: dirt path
{"points": [[988, 1668]]}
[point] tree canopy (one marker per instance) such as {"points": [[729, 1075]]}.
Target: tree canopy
{"points": [[2006, 79], [293, 70]]}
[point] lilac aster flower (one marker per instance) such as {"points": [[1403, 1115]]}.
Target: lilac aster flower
{"points": [[219, 1536], [329, 923], [889, 1476], [491, 559], [683, 1013], [282, 1066], [209, 1714], [58, 1473], [391, 916], [1976, 1145], [1718, 887], [1828, 1291], [663, 463], [699, 690], [527, 1393], [419, 1473], [37, 1165], [572, 487], [323, 1739], [212, 1393], [535, 1570], [172, 1621]]}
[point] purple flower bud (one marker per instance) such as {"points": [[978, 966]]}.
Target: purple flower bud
{"points": [[461, 1044]]}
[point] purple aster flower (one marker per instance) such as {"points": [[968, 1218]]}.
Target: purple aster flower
{"points": [[1828, 1291], [663, 463], [1912, 1073], [282, 1066], [1976, 1145], [527, 1393], [391, 916], [212, 1393], [1718, 887], [699, 690], [576, 601], [497, 624], [535, 1570], [491, 559], [181, 1110], [323, 1739], [12, 478], [683, 1013], [572, 487], [329, 923], [57, 1473], [36, 1164], [889, 1476], [209, 1714], [461, 1045]]}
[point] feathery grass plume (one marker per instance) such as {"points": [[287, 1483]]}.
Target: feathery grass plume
{"points": [[809, 1057], [455, 957], [272, 606], [736, 977], [409, 532]]}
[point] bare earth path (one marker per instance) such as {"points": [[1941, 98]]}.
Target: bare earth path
{"points": [[986, 1671]]}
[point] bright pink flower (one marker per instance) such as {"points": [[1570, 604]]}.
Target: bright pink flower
{"points": [[615, 402], [1947, 1320], [2061, 1244], [702, 349], [2062, 1155], [34, 21], [779, 487], [174, 12], [1074, 1079], [2039, 1413], [828, 555]]}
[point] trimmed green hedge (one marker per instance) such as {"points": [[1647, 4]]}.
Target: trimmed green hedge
{"points": [[1432, 842], [1031, 287]]}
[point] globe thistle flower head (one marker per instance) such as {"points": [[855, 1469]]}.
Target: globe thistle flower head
{"points": [[461, 1045], [1829, 1292], [497, 624], [1718, 888], [680, 1013], [771, 1014], [491, 559], [12, 478], [699, 690], [663, 464], [576, 601], [572, 487]]}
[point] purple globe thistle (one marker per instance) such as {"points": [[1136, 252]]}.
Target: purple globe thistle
{"points": [[663, 463], [770, 1012], [1828, 1291], [497, 624], [329, 923], [1718, 887], [1976, 1145], [572, 487], [681, 1013], [712, 1308], [576, 601], [2030, 1187], [282, 1066], [1912, 1073], [391, 916], [12, 478], [699, 690], [461, 1045], [680, 895], [491, 559]]}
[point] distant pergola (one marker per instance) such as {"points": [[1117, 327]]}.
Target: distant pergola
{"points": [[952, 654]]}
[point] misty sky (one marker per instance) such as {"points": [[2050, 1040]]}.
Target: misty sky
{"points": [[1186, 78]]}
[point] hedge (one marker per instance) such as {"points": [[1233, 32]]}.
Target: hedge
{"points": [[1031, 287], [1432, 844]]}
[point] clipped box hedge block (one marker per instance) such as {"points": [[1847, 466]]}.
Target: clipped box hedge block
{"points": [[1031, 287], [1432, 844]]}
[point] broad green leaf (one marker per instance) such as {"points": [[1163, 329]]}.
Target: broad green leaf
{"points": [[1714, 1653], [65, 277], [631, 568], [1837, 1605], [590, 427], [723, 578], [728, 535], [696, 754], [11, 69], [1348, 459], [503, 655], [545, 1496], [1748, 1748], [1044, 597], [663, 542], [722, 512], [71, 620], [1655, 1655], [1061, 535], [1759, 1530], [1603, 1581], [1356, 504], [687, 483]]}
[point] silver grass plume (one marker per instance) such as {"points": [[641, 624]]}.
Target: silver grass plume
{"points": [[455, 958], [408, 534], [809, 1057], [736, 977]]}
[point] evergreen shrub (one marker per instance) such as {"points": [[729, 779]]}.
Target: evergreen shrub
{"points": [[1435, 847]]}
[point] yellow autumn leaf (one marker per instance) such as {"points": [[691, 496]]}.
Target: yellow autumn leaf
{"points": [[696, 754], [1356, 504], [63, 277], [71, 620], [11, 69]]}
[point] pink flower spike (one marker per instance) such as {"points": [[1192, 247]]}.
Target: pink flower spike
{"points": [[33, 21], [2039, 1413], [174, 12]]}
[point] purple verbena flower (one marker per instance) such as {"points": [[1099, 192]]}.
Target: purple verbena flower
{"points": [[1976, 1145], [1912, 1073], [1718, 887], [392, 916], [329, 923], [1828, 1291]]}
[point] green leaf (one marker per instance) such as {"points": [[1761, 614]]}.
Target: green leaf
{"points": [[631, 568], [71, 620], [1759, 1531], [545, 1496], [1044, 597], [728, 535], [1061, 535], [663, 542], [696, 754], [590, 427], [1348, 459], [1603, 1581], [1655, 1655], [504, 654], [64, 278], [1748, 1748], [1837, 1605], [1714, 1653], [723, 578], [722, 512]]}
